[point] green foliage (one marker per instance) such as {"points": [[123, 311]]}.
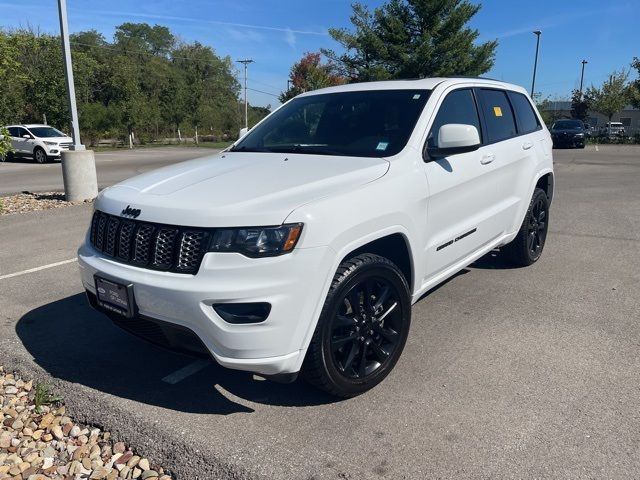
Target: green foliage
{"points": [[310, 74], [634, 88], [43, 397], [412, 39], [145, 81], [612, 96], [547, 112], [5, 142], [580, 105]]}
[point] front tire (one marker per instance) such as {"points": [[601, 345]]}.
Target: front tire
{"points": [[527, 247], [39, 155], [362, 329]]}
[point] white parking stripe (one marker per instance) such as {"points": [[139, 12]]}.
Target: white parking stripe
{"points": [[37, 269], [186, 371]]}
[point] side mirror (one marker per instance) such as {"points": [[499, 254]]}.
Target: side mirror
{"points": [[455, 138], [243, 132], [27, 136]]}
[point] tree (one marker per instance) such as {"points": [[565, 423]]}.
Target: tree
{"points": [[634, 88], [612, 96], [309, 73], [412, 39], [580, 105]]}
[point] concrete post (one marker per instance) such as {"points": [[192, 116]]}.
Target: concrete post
{"points": [[79, 175]]}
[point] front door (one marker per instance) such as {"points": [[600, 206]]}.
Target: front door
{"points": [[461, 195]]}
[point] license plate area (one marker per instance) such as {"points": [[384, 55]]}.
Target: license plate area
{"points": [[115, 297]]}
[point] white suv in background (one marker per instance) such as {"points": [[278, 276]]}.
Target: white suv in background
{"points": [[303, 247], [40, 142]]}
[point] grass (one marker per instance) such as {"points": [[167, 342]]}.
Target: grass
{"points": [[43, 397], [1, 206]]}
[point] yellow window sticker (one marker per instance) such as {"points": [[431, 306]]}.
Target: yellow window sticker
{"points": [[497, 111]]}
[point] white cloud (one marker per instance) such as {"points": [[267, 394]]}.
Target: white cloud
{"points": [[290, 38]]}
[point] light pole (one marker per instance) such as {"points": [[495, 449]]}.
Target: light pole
{"points": [[535, 63], [584, 62], [245, 62], [78, 164]]}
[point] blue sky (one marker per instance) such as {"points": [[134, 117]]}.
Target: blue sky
{"points": [[275, 33]]}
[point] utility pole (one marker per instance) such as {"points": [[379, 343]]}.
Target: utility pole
{"points": [[245, 62], [535, 63], [78, 164], [584, 62]]}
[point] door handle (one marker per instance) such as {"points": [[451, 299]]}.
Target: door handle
{"points": [[527, 145], [487, 159]]}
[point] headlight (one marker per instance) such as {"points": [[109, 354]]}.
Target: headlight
{"points": [[579, 135], [258, 241], [53, 144]]}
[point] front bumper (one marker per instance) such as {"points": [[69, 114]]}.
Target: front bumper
{"points": [[273, 347]]}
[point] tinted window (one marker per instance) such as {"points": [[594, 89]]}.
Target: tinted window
{"points": [[46, 132], [13, 131], [369, 123], [458, 107], [567, 125], [527, 119], [21, 132], [497, 114]]}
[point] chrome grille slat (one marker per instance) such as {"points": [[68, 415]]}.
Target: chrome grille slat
{"points": [[148, 245]]}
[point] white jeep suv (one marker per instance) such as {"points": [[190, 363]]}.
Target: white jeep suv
{"points": [[41, 142], [304, 245]]}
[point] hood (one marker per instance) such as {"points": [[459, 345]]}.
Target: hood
{"points": [[237, 188], [56, 139]]}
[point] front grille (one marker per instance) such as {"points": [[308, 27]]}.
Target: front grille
{"points": [[168, 248], [66, 146]]}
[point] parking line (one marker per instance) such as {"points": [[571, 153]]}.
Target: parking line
{"points": [[186, 371], [37, 269]]}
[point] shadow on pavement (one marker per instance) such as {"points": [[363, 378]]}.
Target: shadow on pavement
{"points": [[493, 260], [73, 342]]}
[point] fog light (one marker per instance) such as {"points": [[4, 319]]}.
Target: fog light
{"points": [[242, 313]]}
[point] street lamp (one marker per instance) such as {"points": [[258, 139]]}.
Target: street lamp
{"points": [[584, 62], [78, 164], [245, 62], [535, 63]]}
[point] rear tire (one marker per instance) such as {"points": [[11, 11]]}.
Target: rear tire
{"points": [[362, 329], [526, 248], [40, 156]]}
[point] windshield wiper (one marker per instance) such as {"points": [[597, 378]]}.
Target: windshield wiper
{"points": [[248, 149], [302, 148]]}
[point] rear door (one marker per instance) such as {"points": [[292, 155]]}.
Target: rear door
{"points": [[512, 157], [461, 191]]}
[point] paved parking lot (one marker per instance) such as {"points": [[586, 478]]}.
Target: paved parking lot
{"points": [[113, 166], [517, 373]]}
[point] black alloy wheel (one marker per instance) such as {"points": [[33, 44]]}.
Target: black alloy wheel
{"points": [[526, 248], [537, 228], [362, 329], [364, 332]]}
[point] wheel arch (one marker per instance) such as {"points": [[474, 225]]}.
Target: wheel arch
{"points": [[546, 182], [393, 246]]}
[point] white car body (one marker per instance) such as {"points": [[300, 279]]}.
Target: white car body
{"points": [[25, 141], [469, 203]]}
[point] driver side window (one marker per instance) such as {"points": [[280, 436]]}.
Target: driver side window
{"points": [[459, 106]]}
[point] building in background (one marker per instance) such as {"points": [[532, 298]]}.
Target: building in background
{"points": [[629, 116]]}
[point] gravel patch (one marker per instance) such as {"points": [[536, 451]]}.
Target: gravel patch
{"points": [[39, 442], [31, 202]]}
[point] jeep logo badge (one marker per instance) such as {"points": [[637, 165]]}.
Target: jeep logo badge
{"points": [[130, 212]]}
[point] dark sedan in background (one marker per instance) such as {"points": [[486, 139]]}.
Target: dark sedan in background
{"points": [[568, 133]]}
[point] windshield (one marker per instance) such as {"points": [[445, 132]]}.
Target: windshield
{"points": [[46, 132], [567, 125], [370, 123]]}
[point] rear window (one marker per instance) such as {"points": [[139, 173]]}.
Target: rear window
{"points": [[497, 114], [527, 118]]}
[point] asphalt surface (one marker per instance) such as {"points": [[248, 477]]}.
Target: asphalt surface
{"points": [[23, 174], [507, 373]]}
